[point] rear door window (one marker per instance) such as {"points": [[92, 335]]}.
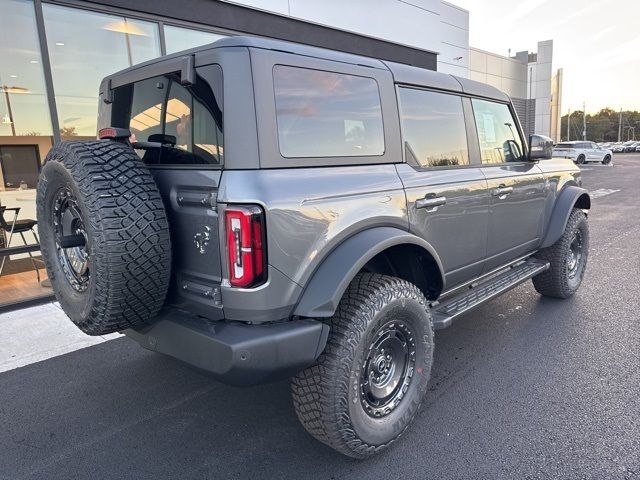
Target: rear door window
{"points": [[326, 114], [187, 120], [433, 128]]}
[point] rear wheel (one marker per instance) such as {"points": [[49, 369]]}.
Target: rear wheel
{"points": [[104, 235], [581, 160], [567, 259], [369, 382]]}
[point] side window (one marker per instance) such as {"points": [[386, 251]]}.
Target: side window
{"points": [[433, 128], [497, 132], [186, 120], [327, 114]]}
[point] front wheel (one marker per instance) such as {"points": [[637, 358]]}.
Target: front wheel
{"points": [[581, 160], [606, 160], [567, 259], [368, 384]]}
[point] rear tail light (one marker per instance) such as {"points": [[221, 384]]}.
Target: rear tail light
{"points": [[113, 133], [246, 244]]}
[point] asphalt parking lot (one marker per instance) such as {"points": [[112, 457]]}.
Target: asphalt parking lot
{"points": [[523, 387]]}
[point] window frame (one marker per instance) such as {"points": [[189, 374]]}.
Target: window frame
{"points": [[263, 62], [514, 116], [164, 68], [472, 152]]}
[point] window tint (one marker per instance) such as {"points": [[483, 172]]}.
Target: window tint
{"points": [[433, 128], [160, 109], [497, 132], [325, 114], [565, 145]]}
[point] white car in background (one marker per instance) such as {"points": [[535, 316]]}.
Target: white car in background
{"points": [[583, 152]]}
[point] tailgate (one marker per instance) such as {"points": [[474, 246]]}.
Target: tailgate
{"points": [[190, 200]]}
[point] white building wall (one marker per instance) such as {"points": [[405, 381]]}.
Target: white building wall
{"points": [[521, 80], [541, 86], [432, 25], [505, 73]]}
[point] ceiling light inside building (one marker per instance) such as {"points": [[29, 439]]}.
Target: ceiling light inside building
{"points": [[33, 61], [60, 44], [125, 27], [13, 76], [6, 88]]}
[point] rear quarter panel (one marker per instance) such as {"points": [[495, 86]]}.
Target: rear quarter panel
{"points": [[309, 211]]}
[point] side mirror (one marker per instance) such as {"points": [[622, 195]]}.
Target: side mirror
{"points": [[540, 147]]}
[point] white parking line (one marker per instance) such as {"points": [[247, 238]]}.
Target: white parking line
{"points": [[34, 334], [601, 192]]}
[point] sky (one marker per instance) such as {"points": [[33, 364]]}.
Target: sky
{"points": [[596, 43]]}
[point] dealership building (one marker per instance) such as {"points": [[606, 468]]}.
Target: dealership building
{"points": [[53, 55]]}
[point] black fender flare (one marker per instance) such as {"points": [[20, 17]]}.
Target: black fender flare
{"points": [[329, 282], [568, 198]]}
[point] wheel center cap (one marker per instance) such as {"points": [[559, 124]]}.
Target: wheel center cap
{"points": [[381, 364]]}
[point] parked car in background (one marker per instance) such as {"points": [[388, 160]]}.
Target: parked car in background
{"points": [[617, 147], [583, 152], [629, 146], [638, 147]]}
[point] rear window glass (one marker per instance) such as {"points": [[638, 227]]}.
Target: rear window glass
{"points": [[186, 119], [327, 114], [565, 145]]}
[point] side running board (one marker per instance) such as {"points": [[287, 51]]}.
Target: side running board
{"points": [[451, 308]]}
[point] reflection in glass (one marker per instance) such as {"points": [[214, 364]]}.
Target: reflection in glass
{"points": [[433, 128], [497, 132], [23, 102], [85, 47], [186, 120], [177, 38], [326, 114]]}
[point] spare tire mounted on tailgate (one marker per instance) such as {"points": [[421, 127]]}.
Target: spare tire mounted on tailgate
{"points": [[104, 235]]}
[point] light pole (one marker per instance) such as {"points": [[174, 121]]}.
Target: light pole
{"points": [[9, 117]]}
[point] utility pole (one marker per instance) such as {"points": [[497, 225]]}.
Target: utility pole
{"points": [[620, 126], [569, 126], [584, 121]]}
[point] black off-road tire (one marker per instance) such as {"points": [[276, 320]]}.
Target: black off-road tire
{"points": [[556, 281], [126, 232], [328, 395]]}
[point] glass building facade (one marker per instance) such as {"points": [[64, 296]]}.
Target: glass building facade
{"points": [[52, 59]]}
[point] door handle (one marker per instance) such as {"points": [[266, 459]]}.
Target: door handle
{"points": [[431, 202], [502, 191]]}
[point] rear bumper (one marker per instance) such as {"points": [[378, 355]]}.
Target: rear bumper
{"points": [[236, 353]]}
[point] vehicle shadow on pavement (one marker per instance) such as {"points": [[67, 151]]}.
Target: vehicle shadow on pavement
{"points": [[117, 411]]}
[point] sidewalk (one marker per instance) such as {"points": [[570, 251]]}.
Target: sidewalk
{"points": [[37, 333]]}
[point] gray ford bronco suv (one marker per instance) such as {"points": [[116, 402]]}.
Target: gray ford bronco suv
{"points": [[262, 209]]}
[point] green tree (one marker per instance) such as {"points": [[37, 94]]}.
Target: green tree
{"points": [[602, 126]]}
